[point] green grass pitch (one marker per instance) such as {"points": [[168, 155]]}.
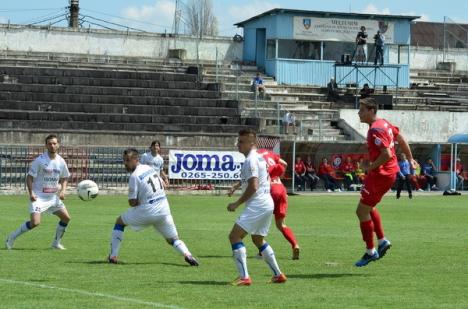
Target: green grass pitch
{"points": [[427, 266]]}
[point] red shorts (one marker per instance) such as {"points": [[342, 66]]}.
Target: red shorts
{"points": [[374, 188], [280, 199]]}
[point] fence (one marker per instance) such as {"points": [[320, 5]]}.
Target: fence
{"points": [[103, 165]]}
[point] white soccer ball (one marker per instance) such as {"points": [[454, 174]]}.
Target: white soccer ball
{"points": [[87, 190]]}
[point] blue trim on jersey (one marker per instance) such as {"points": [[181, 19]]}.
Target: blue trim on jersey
{"points": [[61, 223], [157, 199], [263, 247], [237, 245], [148, 172], [119, 227]]}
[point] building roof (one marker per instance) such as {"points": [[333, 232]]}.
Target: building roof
{"points": [[325, 14]]}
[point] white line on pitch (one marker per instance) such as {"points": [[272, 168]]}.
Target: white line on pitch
{"points": [[83, 292]]}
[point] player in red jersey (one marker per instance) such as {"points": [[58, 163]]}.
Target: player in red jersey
{"points": [[276, 168], [382, 172]]}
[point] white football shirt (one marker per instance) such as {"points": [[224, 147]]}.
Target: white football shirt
{"points": [[146, 186], [46, 174], [255, 166], [156, 162]]}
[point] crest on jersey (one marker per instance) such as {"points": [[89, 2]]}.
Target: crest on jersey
{"points": [[307, 22], [378, 141]]}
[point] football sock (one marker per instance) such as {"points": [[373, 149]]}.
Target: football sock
{"points": [[382, 240], [371, 251], [240, 259], [21, 230], [289, 235], [378, 228], [61, 226], [269, 257], [180, 247], [116, 239], [367, 231]]}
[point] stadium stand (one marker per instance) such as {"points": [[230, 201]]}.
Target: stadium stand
{"points": [[109, 93]]}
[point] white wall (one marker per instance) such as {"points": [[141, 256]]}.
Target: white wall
{"points": [[416, 126], [113, 43], [426, 58]]}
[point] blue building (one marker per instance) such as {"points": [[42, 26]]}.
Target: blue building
{"points": [[300, 47]]}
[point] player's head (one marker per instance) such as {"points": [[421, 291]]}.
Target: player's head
{"points": [[367, 110], [402, 157], [130, 159], [246, 141], [155, 146], [363, 28], [298, 159], [348, 159], [52, 143]]}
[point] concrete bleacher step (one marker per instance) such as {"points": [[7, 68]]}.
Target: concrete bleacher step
{"points": [[52, 116], [96, 73], [118, 128], [107, 91], [121, 108], [100, 99]]}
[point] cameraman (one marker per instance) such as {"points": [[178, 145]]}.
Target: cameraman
{"points": [[361, 47], [379, 40]]}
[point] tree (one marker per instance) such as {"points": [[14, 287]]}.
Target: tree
{"points": [[200, 18]]}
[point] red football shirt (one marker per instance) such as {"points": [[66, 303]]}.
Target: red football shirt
{"points": [[272, 160], [348, 167], [382, 134]]}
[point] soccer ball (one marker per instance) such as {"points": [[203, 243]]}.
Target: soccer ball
{"points": [[87, 190]]}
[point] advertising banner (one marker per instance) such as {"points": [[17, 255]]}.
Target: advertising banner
{"points": [[340, 30], [213, 165]]}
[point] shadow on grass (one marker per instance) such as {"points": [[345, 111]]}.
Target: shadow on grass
{"points": [[214, 256], [28, 249], [106, 262], [324, 276], [207, 282]]}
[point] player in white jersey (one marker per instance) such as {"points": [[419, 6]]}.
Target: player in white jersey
{"points": [[256, 217], [149, 206], [46, 173], [154, 159]]}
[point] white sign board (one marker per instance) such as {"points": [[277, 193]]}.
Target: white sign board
{"points": [[341, 30], [213, 165]]}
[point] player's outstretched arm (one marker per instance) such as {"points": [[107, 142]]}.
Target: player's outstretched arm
{"points": [[29, 183], [64, 184], [234, 188], [252, 187], [406, 150]]}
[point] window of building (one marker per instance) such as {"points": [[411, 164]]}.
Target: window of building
{"points": [[295, 49], [271, 49]]}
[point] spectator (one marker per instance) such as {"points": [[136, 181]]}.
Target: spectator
{"points": [[332, 91], [416, 178], [429, 170], [258, 85], [459, 173], [360, 170], [348, 169], [311, 174], [404, 176], [299, 174], [289, 120], [326, 172], [366, 91]]}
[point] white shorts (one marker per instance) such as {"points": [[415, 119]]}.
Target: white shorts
{"points": [[50, 206], [140, 217], [255, 221]]}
